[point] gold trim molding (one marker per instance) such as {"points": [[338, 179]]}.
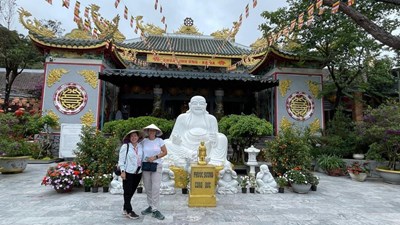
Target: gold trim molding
{"points": [[90, 77], [55, 76]]}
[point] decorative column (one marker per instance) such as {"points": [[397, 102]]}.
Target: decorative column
{"points": [[157, 101], [219, 109], [252, 160]]}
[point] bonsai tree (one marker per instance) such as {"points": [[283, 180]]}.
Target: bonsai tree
{"points": [[380, 128], [243, 131]]}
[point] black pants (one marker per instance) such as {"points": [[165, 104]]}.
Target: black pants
{"points": [[130, 184]]}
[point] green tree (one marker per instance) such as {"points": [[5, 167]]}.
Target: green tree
{"points": [[16, 53], [348, 52]]}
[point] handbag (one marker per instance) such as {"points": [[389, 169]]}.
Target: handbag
{"points": [[116, 169], [149, 166]]}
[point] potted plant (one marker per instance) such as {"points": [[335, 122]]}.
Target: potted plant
{"points": [[380, 129], [299, 179], [282, 182], [252, 183], [63, 177], [357, 171], [314, 180], [244, 182], [105, 181], [332, 165], [96, 183], [87, 183]]}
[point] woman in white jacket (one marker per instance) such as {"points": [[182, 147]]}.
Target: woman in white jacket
{"points": [[130, 161]]}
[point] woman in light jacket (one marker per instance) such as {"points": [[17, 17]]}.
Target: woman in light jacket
{"points": [[153, 151], [130, 161]]}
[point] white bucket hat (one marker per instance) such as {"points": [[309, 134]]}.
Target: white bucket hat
{"points": [[139, 133], [152, 127]]}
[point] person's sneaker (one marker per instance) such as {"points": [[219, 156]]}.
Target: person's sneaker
{"points": [[124, 212], [132, 215], [147, 211], [156, 214]]}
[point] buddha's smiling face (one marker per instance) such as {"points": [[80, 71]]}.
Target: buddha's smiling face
{"points": [[198, 105]]}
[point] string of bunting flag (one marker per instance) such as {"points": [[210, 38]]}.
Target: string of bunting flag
{"points": [[316, 5]]}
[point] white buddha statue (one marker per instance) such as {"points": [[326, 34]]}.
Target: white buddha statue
{"points": [[265, 181], [167, 186], [193, 127], [227, 183]]}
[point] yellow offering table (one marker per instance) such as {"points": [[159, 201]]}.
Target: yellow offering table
{"points": [[202, 186]]}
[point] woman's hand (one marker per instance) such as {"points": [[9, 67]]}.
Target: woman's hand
{"points": [[123, 175]]}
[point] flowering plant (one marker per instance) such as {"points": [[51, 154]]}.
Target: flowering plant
{"points": [[105, 179], [299, 176], [87, 181], [281, 181], [253, 182], [357, 168], [244, 181], [64, 176]]}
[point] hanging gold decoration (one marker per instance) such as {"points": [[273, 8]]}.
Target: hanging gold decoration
{"points": [[90, 77], [285, 124], [55, 76], [314, 88], [284, 86], [88, 118], [315, 126]]}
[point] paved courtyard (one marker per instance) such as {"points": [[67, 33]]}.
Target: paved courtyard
{"points": [[338, 200]]}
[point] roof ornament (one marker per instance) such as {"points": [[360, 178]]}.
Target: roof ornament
{"points": [[188, 27], [148, 28], [80, 32], [226, 33], [259, 43], [34, 26], [106, 27]]}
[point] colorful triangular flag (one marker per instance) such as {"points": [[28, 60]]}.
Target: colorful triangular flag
{"points": [[254, 3], [335, 7]]}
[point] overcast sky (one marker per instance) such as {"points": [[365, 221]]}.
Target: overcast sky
{"points": [[208, 15]]}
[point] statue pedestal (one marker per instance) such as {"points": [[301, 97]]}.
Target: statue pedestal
{"points": [[202, 186]]}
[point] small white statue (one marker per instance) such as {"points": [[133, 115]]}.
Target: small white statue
{"points": [[167, 180], [265, 181], [193, 127], [116, 185], [227, 183]]}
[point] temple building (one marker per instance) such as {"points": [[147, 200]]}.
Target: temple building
{"points": [[88, 78]]}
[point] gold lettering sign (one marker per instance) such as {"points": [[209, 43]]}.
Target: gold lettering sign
{"points": [[197, 61], [70, 98], [300, 106]]}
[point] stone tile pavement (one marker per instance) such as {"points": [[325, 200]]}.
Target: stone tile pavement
{"points": [[338, 200]]}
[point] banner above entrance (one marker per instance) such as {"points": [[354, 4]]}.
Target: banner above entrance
{"points": [[195, 61]]}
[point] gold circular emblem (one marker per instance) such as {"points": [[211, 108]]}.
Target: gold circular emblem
{"points": [[300, 106], [70, 98]]}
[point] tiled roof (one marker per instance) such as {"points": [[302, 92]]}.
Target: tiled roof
{"points": [[68, 42], [200, 45], [245, 77]]}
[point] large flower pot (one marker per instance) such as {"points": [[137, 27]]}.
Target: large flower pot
{"points": [[13, 164], [301, 188], [358, 177], [389, 176]]}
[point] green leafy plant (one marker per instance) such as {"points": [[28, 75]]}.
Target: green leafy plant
{"points": [[106, 179], [299, 176], [281, 181], [252, 181], [244, 181], [289, 149], [380, 128], [96, 152], [243, 131], [87, 181], [330, 163]]}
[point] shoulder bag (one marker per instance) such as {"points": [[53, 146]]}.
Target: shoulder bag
{"points": [[117, 170]]}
